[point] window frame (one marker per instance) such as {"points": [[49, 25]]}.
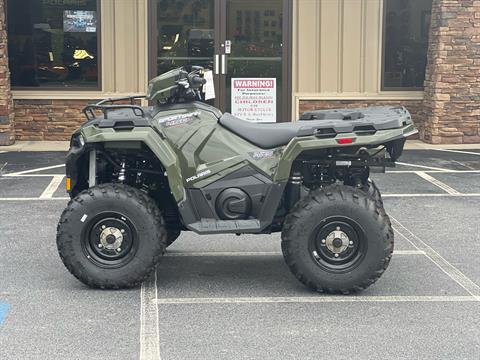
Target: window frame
{"points": [[382, 74], [98, 87]]}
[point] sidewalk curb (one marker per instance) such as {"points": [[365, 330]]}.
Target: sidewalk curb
{"points": [[36, 146]]}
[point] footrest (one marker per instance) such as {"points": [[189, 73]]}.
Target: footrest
{"points": [[212, 226]]}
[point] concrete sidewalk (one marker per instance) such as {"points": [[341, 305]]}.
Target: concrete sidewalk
{"points": [[63, 146], [36, 146]]}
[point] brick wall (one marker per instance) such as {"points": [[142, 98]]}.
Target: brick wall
{"points": [[7, 129], [414, 106], [48, 119], [452, 86]]}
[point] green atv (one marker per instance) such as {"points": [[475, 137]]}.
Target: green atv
{"points": [[138, 176]]}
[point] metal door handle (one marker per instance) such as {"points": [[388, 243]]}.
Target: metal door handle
{"points": [[216, 64], [224, 64]]}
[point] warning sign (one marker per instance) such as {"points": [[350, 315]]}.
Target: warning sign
{"points": [[255, 99]]}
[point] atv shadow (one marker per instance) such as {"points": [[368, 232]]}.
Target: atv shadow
{"points": [[268, 276]]}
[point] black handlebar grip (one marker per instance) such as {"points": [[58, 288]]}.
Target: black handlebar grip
{"points": [[197, 81]]}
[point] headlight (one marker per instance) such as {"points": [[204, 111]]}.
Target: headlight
{"points": [[77, 141]]}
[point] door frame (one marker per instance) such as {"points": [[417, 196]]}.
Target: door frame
{"points": [[220, 23]]}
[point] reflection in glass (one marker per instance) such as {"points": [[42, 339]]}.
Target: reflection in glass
{"points": [[407, 24], [185, 33], [53, 44]]}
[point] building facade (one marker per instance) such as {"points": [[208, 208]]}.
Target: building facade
{"points": [[58, 55]]}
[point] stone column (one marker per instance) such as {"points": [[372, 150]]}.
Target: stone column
{"points": [[7, 128], [452, 84]]}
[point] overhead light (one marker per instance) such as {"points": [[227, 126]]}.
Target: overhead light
{"points": [[167, 47]]}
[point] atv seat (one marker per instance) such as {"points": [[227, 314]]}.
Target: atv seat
{"points": [[267, 135]]}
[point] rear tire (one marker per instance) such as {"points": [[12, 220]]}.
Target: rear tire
{"points": [[111, 236], [337, 240], [372, 190]]}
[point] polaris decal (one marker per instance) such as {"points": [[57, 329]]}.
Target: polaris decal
{"points": [[263, 154], [199, 175], [180, 119]]}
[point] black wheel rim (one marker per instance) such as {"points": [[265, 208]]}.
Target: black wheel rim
{"points": [[338, 244], [110, 240]]}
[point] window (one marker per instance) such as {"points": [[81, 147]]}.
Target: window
{"points": [[53, 43], [406, 27]]}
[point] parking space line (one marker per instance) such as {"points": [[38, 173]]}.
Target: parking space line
{"points": [[437, 183], [458, 151], [34, 199], [37, 169], [149, 324], [260, 253], [425, 167], [313, 299], [28, 175], [52, 187], [429, 195], [459, 195], [454, 273], [462, 164], [434, 171]]}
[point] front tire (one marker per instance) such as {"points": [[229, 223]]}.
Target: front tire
{"points": [[111, 236], [337, 240]]}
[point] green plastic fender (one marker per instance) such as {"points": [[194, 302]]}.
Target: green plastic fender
{"points": [[152, 140], [301, 144]]}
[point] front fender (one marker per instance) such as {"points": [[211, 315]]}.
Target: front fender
{"points": [[162, 150]]}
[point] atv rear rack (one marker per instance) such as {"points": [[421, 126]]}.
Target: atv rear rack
{"points": [[107, 105]]}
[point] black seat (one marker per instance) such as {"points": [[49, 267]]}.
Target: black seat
{"points": [[264, 135]]}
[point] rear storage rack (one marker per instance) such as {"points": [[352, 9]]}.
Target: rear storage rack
{"points": [[107, 105]]}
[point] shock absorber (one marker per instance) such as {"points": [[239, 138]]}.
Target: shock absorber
{"points": [[293, 189], [121, 173]]}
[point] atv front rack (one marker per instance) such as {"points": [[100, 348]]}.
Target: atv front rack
{"points": [[107, 105]]}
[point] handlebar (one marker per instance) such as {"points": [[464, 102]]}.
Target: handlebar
{"points": [[196, 81]]}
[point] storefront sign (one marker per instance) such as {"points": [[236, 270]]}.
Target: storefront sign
{"points": [[255, 99], [79, 21]]}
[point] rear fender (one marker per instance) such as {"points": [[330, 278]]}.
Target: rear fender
{"points": [[301, 144]]}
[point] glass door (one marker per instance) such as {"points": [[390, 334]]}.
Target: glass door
{"points": [[252, 60], [184, 34], [244, 43]]}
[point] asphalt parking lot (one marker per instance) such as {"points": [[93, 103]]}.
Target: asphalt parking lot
{"points": [[228, 297]]}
